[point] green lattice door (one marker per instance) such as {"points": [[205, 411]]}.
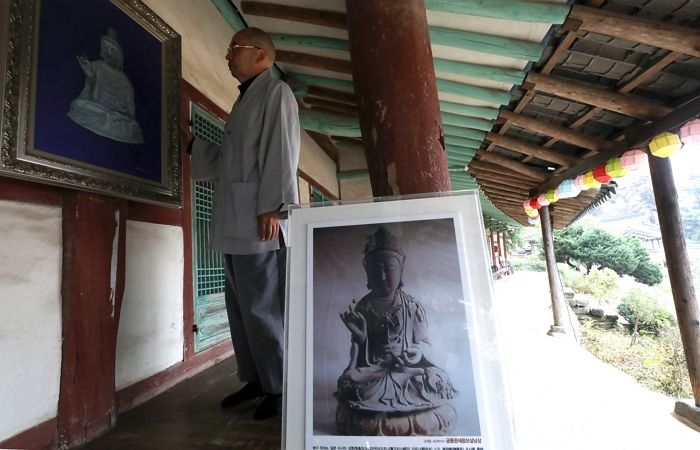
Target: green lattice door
{"points": [[211, 322]]}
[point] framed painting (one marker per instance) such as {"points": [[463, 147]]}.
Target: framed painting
{"points": [[91, 98], [391, 339]]}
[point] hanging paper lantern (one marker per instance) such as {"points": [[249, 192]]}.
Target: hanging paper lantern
{"points": [[690, 132], [579, 183], [534, 204], [600, 174], [568, 189], [664, 144], [633, 159], [534, 215], [614, 168], [526, 204], [532, 221], [551, 196], [542, 200], [590, 181]]}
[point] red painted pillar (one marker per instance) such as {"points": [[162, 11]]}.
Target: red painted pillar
{"points": [[92, 290], [392, 67]]}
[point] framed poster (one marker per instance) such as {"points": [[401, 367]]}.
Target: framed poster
{"points": [[91, 97], [391, 340]]}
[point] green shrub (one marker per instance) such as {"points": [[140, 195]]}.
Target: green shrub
{"points": [[599, 284], [643, 312], [529, 264]]}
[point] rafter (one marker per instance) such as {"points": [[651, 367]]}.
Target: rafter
{"points": [[590, 95], [650, 32], [512, 164], [531, 150], [294, 13], [561, 133]]}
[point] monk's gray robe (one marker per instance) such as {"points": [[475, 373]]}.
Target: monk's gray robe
{"points": [[255, 172]]}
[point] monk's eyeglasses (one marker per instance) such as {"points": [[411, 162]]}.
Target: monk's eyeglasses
{"points": [[233, 47]]}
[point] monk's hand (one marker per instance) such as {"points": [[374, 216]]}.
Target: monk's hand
{"points": [[269, 225], [355, 323]]}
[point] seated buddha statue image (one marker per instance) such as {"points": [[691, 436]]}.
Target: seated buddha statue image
{"points": [[390, 386], [106, 105]]}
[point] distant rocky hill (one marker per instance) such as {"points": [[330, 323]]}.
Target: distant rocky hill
{"points": [[635, 195]]}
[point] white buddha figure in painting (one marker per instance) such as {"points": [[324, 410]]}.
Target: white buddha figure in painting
{"points": [[106, 106]]}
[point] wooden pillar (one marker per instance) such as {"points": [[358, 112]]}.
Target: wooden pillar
{"points": [[679, 272], [394, 79], [555, 288], [494, 248], [505, 247], [92, 290]]}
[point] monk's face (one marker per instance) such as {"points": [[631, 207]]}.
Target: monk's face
{"points": [[384, 270], [244, 57]]}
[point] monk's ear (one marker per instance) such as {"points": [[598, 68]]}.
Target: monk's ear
{"points": [[262, 56]]}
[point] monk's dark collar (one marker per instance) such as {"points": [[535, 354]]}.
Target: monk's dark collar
{"points": [[246, 84]]}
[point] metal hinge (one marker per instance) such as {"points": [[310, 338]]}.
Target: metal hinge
{"points": [[195, 328]]}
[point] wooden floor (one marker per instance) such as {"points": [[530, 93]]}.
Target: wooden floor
{"points": [[188, 416]]}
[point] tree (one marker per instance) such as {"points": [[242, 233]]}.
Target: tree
{"points": [[586, 247], [643, 313]]}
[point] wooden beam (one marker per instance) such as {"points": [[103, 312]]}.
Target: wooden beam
{"points": [[522, 11], [560, 133], [314, 61], [505, 75], [463, 132], [511, 164], [625, 88], [485, 43], [559, 52], [333, 94], [329, 105], [466, 122], [635, 136], [499, 170], [677, 38], [332, 83], [502, 180], [590, 95], [476, 92], [293, 13], [463, 142], [297, 40], [531, 150], [326, 144], [329, 123], [482, 112]]}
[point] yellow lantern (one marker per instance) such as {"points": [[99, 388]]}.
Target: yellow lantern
{"points": [[590, 181], [665, 144], [615, 169]]}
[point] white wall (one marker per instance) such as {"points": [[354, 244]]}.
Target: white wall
{"points": [[30, 315], [150, 337], [317, 164]]}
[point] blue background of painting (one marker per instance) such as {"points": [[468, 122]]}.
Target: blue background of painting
{"points": [[73, 27]]}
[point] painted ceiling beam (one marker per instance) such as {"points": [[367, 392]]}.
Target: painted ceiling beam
{"points": [[294, 13], [677, 38], [462, 142], [467, 122], [464, 132], [475, 92], [485, 43], [531, 150], [483, 112], [314, 61], [591, 95], [494, 73], [521, 11], [333, 83], [560, 133], [310, 41], [230, 14], [458, 151], [329, 123]]}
